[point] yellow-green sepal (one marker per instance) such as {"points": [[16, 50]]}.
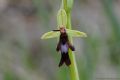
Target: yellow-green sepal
{"points": [[61, 18], [75, 33], [51, 34]]}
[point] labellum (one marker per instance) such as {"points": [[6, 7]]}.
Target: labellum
{"points": [[63, 46]]}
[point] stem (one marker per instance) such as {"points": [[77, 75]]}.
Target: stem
{"points": [[68, 21], [73, 66], [64, 4]]}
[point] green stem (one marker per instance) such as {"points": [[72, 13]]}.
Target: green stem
{"points": [[68, 21], [73, 66], [64, 4]]}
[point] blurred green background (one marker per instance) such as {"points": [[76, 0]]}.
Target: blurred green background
{"points": [[24, 56]]}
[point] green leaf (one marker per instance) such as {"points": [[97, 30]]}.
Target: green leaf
{"points": [[75, 33], [61, 18], [51, 34]]}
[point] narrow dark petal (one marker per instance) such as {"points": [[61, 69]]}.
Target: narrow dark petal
{"points": [[55, 30]]}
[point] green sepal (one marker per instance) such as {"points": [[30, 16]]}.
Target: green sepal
{"points": [[75, 33], [61, 18], [51, 34]]}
